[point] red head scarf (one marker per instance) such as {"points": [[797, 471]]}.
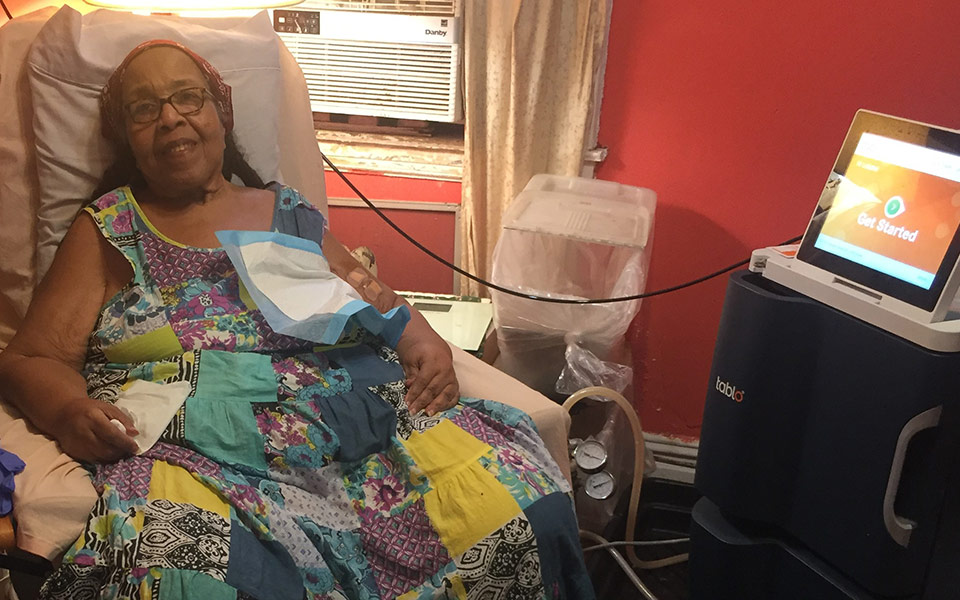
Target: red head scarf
{"points": [[111, 106]]}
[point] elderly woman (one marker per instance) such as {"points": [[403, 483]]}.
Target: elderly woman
{"points": [[292, 469]]}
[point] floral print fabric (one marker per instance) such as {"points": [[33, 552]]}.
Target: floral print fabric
{"points": [[293, 470]]}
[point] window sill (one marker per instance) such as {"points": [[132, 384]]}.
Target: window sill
{"points": [[439, 158]]}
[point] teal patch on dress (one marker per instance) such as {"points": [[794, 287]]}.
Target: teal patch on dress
{"points": [[366, 367], [250, 377], [225, 431], [554, 524], [175, 583], [318, 580]]}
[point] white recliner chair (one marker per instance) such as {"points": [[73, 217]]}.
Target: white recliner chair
{"points": [[52, 64]]}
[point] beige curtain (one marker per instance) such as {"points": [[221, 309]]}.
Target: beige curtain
{"points": [[529, 78]]}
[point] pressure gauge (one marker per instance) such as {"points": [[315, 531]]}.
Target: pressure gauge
{"points": [[600, 486], [590, 456]]}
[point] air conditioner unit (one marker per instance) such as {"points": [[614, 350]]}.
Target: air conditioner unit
{"points": [[383, 58]]}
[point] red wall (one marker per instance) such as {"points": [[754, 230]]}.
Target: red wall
{"points": [[733, 112], [379, 187], [401, 265]]}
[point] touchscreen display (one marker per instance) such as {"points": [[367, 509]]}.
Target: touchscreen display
{"points": [[896, 209], [889, 215]]}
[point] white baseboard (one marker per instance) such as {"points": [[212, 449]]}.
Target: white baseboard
{"points": [[676, 459]]}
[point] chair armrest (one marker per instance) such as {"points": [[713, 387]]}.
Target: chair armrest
{"points": [[480, 380], [53, 495]]}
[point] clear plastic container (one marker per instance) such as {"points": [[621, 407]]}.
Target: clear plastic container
{"points": [[568, 237]]}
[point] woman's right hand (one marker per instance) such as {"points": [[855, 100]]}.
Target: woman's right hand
{"points": [[85, 432]]}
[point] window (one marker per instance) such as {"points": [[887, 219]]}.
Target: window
{"points": [[384, 80]]}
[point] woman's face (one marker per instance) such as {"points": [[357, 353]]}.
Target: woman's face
{"points": [[176, 153]]}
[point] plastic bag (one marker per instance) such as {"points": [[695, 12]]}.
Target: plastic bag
{"points": [[533, 336], [576, 239], [584, 369]]}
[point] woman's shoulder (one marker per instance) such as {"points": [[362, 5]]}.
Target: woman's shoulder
{"points": [[289, 198], [114, 212], [118, 197], [295, 215]]}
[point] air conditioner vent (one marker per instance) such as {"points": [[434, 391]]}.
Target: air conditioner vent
{"points": [[381, 79]]}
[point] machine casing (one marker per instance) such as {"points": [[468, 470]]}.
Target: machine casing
{"points": [[829, 458]]}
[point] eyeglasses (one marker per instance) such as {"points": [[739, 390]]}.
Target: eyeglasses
{"points": [[188, 101]]}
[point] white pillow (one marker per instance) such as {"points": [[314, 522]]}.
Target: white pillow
{"points": [[74, 55], [19, 198]]}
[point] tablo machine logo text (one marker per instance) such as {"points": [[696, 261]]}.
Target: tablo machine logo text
{"points": [[729, 390]]}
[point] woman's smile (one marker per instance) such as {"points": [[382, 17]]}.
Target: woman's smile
{"points": [[180, 149]]}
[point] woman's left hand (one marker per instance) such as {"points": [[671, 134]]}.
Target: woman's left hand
{"points": [[431, 383], [426, 359]]}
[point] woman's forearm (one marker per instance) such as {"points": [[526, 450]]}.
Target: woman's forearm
{"points": [[384, 299], [417, 332], [39, 387], [418, 329]]}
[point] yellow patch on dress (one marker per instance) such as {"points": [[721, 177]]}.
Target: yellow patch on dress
{"points": [[467, 502], [154, 345], [176, 484], [467, 507], [458, 589], [165, 371], [444, 449]]}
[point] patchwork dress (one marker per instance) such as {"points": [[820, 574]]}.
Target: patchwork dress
{"points": [[295, 470]]}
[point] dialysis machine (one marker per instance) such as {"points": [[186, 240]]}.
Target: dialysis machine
{"points": [[829, 459]]}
